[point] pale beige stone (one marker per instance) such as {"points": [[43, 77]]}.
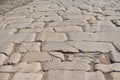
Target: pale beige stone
{"points": [[115, 75], [115, 56], [4, 76], [14, 58], [8, 31], [47, 29], [46, 36], [2, 58], [37, 56], [22, 67], [68, 29], [71, 75], [58, 46], [80, 66], [17, 38], [88, 36], [92, 46], [28, 76], [108, 67], [28, 67], [58, 55], [6, 48], [29, 47]]}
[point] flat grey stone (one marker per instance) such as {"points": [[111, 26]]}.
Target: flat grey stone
{"points": [[115, 75], [28, 76], [80, 66], [92, 46], [22, 67], [58, 46], [4, 76], [88, 36], [71, 75], [108, 67], [6, 48], [37, 56]]}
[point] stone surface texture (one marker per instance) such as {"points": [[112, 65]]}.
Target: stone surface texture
{"points": [[60, 40]]}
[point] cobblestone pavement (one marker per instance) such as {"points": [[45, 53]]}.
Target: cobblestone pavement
{"points": [[61, 40]]}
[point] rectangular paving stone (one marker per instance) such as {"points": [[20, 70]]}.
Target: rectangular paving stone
{"points": [[88, 36], [14, 58], [17, 38], [108, 67], [77, 66], [22, 67], [2, 58], [37, 56], [92, 46], [68, 29], [81, 23], [71, 75], [27, 76], [115, 75], [6, 48], [4, 76], [47, 36], [115, 56], [102, 29], [29, 47], [37, 30], [58, 46]]}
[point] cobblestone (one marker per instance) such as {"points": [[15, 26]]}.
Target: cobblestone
{"points": [[46, 36], [60, 40], [4, 76], [37, 56], [6, 48], [29, 76], [59, 75], [61, 46], [108, 68], [80, 66], [115, 75]]}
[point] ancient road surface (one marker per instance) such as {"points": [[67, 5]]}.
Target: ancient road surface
{"points": [[61, 40]]}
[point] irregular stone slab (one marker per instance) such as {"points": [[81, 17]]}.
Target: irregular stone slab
{"points": [[28, 76], [47, 29], [72, 23], [17, 38], [14, 58], [115, 56], [115, 75], [58, 46], [6, 48], [102, 29], [46, 36], [71, 75], [77, 66], [117, 45], [8, 31], [90, 57], [2, 58], [37, 56], [24, 37], [116, 22], [22, 67], [108, 67], [68, 29], [29, 47], [17, 25], [92, 46], [57, 55], [88, 36], [4, 76]]}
